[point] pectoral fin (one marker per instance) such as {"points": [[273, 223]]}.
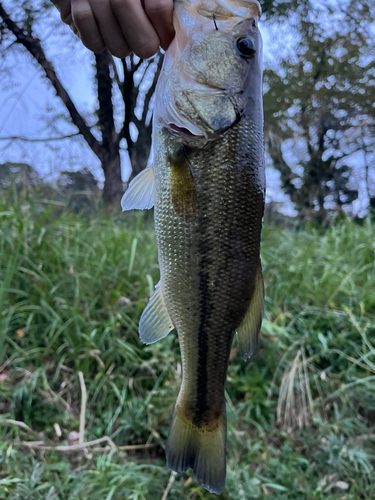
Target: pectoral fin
{"points": [[155, 323], [141, 191], [248, 331]]}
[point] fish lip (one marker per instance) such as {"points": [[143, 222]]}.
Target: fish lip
{"points": [[181, 130], [208, 87]]}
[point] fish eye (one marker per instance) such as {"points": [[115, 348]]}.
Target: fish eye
{"points": [[246, 47]]}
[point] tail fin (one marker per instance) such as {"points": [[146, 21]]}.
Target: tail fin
{"points": [[200, 449]]}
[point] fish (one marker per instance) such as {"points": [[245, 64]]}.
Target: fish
{"points": [[206, 182]]}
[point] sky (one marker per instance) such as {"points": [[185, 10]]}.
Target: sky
{"points": [[30, 109], [29, 106]]}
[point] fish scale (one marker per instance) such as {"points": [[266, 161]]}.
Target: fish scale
{"points": [[209, 261], [207, 184]]}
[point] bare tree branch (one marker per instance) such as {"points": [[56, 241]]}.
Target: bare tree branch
{"points": [[172, 477], [82, 417], [151, 90], [40, 445], [43, 139], [286, 174], [105, 111], [128, 94], [107, 148], [34, 47], [8, 421], [110, 157], [128, 91], [115, 72]]}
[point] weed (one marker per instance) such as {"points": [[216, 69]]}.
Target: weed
{"points": [[301, 412]]}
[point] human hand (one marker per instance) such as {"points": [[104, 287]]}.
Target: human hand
{"points": [[121, 26]]}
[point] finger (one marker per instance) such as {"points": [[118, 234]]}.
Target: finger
{"points": [[74, 28], [160, 13], [63, 7], [110, 28], [85, 23], [136, 27]]}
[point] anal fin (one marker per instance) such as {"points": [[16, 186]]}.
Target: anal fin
{"points": [[141, 191], [155, 322], [248, 331]]}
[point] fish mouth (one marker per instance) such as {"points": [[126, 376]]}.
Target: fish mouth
{"points": [[181, 130], [180, 126]]}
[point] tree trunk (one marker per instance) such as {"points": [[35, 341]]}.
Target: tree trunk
{"points": [[140, 151], [113, 187], [110, 158]]}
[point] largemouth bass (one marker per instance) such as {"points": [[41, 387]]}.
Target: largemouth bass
{"points": [[207, 184]]}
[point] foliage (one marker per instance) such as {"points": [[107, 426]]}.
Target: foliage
{"points": [[319, 108], [18, 175], [319, 95], [80, 190], [301, 413]]}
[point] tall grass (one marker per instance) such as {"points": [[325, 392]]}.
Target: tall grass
{"points": [[301, 413]]}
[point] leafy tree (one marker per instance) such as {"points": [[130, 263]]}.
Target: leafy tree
{"points": [[18, 31], [318, 102], [319, 108], [79, 190], [281, 10], [20, 175]]}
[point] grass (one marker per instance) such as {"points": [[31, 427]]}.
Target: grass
{"points": [[301, 413]]}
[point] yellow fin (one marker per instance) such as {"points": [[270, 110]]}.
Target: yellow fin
{"points": [[248, 331], [200, 449], [155, 322], [184, 198]]}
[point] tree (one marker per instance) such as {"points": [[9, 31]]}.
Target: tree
{"points": [[20, 175], [80, 190], [18, 29], [318, 102], [319, 109]]}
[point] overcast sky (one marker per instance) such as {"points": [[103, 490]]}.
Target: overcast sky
{"points": [[30, 109]]}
